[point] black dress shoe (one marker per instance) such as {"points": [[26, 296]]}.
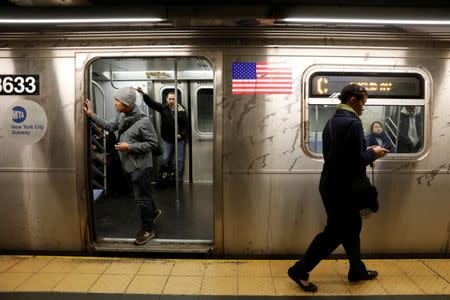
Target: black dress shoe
{"points": [[311, 287], [368, 275]]}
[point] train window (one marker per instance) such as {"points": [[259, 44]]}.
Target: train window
{"points": [[379, 85], [98, 99], [394, 115], [205, 110]]}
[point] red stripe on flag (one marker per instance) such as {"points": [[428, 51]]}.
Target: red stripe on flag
{"points": [[262, 87], [259, 92], [271, 78]]}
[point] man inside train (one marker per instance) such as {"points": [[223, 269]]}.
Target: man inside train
{"points": [[168, 130], [136, 139], [410, 130]]}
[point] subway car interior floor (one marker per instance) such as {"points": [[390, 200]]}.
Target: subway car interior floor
{"points": [[78, 277], [189, 218]]}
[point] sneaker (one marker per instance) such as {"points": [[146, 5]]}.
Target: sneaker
{"points": [[156, 215], [143, 237]]}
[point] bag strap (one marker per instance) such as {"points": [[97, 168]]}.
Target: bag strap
{"points": [[123, 129], [373, 174]]}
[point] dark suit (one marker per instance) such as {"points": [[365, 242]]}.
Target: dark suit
{"points": [[404, 144], [346, 158]]}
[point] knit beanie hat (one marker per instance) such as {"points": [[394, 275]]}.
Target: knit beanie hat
{"points": [[126, 95]]}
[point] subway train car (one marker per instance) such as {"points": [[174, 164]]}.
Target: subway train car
{"points": [[257, 100]]}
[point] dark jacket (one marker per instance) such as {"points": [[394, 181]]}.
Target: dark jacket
{"points": [[404, 144], [346, 157], [385, 142], [168, 120]]}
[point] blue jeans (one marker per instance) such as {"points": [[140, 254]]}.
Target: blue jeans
{"points": [[140, 180], [166, 159]]}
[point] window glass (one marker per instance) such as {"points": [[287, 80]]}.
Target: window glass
{"points": [[393, 117], [318, 117], [205, 110], [401, 128]]}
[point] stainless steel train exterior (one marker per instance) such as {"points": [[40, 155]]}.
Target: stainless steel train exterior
{"points": [[265, 175]]}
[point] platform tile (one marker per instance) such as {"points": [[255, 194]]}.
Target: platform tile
{"points": [[432, 284], [399, 285], [10, 281], [89, 266], [414, 267], [147, 284], [74, 282], [183, 285], [60, 265], [188, 268], [221, 269], [156, 268], [111, 284], [31, 264], [255, 286], [41, 282], [440, 266], [7, 262], [215, 285], [124, 266], [254, 269]]}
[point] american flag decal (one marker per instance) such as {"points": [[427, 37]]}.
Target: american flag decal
{"points": [[261, 78]]}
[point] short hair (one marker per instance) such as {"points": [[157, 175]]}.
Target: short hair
{"points": [[173, 93], [376, 122], [352, 90]]}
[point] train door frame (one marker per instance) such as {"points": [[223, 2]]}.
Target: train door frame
{"points": [[200, 137], [83, 59]]}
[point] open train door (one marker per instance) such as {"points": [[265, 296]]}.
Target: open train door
{"points": [[187, 222]]}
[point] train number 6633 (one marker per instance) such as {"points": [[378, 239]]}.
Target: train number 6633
{"points": [[19, 84]]}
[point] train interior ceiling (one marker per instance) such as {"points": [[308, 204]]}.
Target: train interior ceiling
{"points": [[186, 204]]}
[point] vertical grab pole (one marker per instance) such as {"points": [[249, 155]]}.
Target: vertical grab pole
{"points": [[176, 128]]}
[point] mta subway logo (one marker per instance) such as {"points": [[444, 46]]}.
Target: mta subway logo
{"points": [[19, 114]]}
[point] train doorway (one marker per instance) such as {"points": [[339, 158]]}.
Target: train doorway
{"points": [[182, 188]]}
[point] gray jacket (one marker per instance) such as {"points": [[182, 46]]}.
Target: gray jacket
{"points": [[138, 132]]}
